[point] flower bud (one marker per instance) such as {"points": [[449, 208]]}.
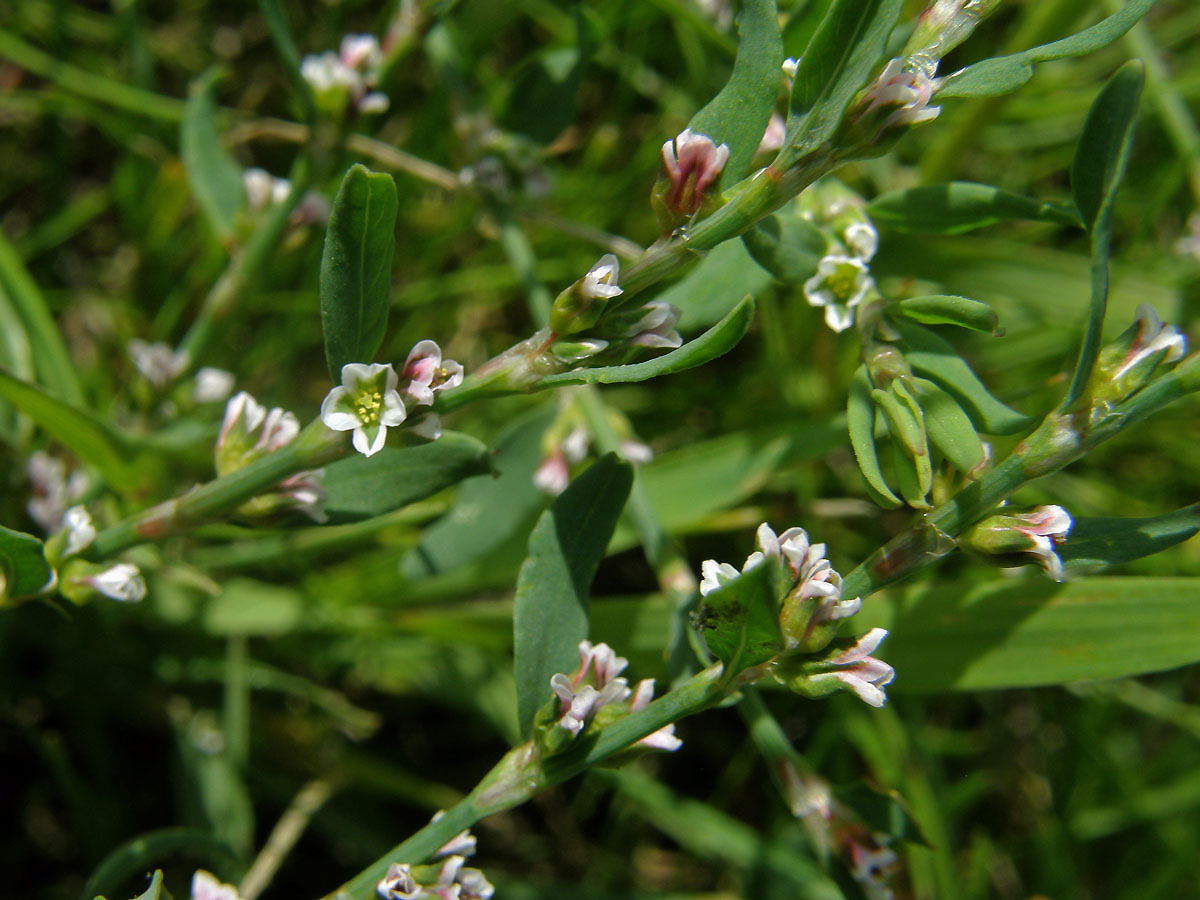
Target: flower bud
{"points": [[580, 306], [1015, 537], [83, 581], [691, 163], [1130, 362], [846, 667], [941, 28]]}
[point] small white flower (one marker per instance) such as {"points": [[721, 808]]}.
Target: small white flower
{"points": [[367, 402], [1045, 527], [840, 284], [399, 884], [692, 162], [861, 672], [789, 67], [575, 444], [242, 412], [374, 103], [601, 280], [120, 582], [212, 385], [553, 474], [595, 685], [657, 326], [361, 52], [910, 91], [206, 887], [1153, 338], [774, 135], [714, 574], [664, 738], [158, 363], [327, 73], [263, 189], [462, 844], [80, 530], [636, 452], [862, 239], [428, 373]]}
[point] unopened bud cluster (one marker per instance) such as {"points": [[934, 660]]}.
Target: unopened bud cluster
{"points": [[1014, 537], [1143, 352], [347, 79], [691, 165], [451, 878], [813, 663]]}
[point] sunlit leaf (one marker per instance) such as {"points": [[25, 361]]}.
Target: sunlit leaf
{"points": [[787, 245], [1113, 540], [940, 309], [860, 419], [740, 619]]}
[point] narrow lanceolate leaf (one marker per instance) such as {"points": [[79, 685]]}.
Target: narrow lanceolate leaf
{"points": [[551, 606], [860, 418], [93, 440], [960, 206], [15, 357], [738, 115], [23, 567], [948, 309], [1111, 541], [214, 175], [359, 488], [949, 428], [787, 245], [356, 268], [933, 357], [841, 57], [51, 362], [1034, 632], [1100, 162], [740, 619], [1005, 74], [717, 341]]}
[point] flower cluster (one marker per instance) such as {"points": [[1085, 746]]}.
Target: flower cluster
{"points": [[906, 90], [844, 668], [1130, 362], [452, 880], [250, 431], [843, 280], [157, 362], [553, 474], [347, 77], [597, 685], [53, 490], [372, 398]]}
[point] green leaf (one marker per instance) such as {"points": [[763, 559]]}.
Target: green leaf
{"points": [[860, 419], [51, 361], [253, 609], [488, 513], [1110, 541], [960, 206], [24, 571], [738, 115], [740, 619], [787, 245], [914, 475], [356, 268], [1004, 74], [359, 488], [839, 59], [717, 341], [214, 175], [17, 358], [949, 428], [715, 285], [154, 889], [942, 309], [1100, 161], [88, 436], [931, 356], [1032, 632], [551, 606], [137, 855]]}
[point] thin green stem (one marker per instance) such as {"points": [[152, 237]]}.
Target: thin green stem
{"points": [[236, 710]]}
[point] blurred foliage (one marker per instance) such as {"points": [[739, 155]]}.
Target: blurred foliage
{"points": [[380, 661]]}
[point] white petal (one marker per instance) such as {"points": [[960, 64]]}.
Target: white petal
{"points": [[393, 410]]}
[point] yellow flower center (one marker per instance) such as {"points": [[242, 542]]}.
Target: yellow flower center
{"points": [[843, 282], [369, 406]]}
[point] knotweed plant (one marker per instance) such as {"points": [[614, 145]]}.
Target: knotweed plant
{"points": [[410, 524]]}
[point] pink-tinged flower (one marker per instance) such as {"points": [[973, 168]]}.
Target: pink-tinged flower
{"points": [[664, 738], [462, 844], [1014, 536], [206, 887], [692, 162], [553, 475], [1154, 339], [840, 284], [158, 363], [427, 373], [367, 402], [870, 866], [909, 90], [361, 52], [774, 135], [656, 328], [862, 673], [121, 582], [595, 685], [1045, 527], [399, 884], [305, 492], [600, 283]]}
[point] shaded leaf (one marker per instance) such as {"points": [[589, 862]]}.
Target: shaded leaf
{"points": [[23, 567], [89, 437], [933, 357], [740, 619], [860, 419], [1114, 540], [839, 60], [356, 268], [715, 285], [941, 309], [253, 609], [787, 245], [359, 488], [738, 115], [551, 607], [1034, 632], [15, 357], [1004, 74], [214, 175], [139, 854], [960, 206], [1100, 161], [717, 341]]}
